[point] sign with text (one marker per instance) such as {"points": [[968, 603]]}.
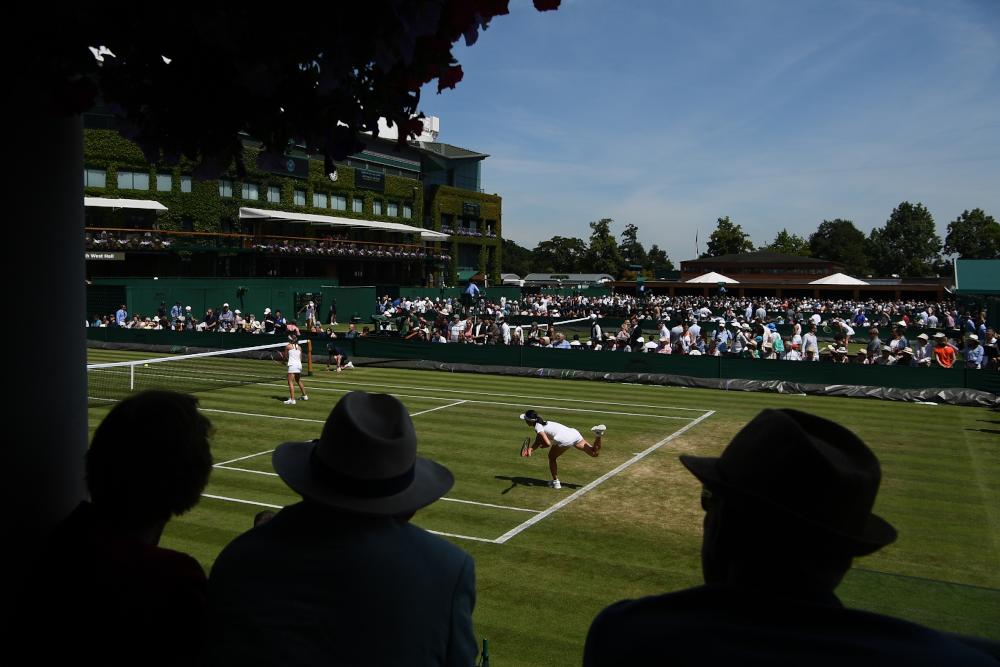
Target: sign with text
{"points": [[296, 167], [369, 180], [470, 208], [104, 256]]}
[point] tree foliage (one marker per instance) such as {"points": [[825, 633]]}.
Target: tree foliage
{"points": [[516, 259], [603, 255], [908, 245], [657, 260], [190, 82], [559, 255], [973, 235], [728, 239], [841, 242], [788, 244], [630, 248]]}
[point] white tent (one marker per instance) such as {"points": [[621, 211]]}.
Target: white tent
{"points": [[838, 279], [139, 204], [334, 221], [713, 278]]}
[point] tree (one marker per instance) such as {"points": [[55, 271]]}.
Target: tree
{"points": [[788, 244], [728, 239], [657, 260], [908, 245], [559, 255], [630, 249], [603, 255], [189, 83], [973, 235], [516, 259], [841, 242]]}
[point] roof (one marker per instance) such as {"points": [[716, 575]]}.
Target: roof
{"points": [[568, 277], [334, 221], [447, 150], [977, 276], [761, 257], [713, 277], [838, 279], [140, 204]]}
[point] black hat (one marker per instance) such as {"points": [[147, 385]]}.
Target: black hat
{"points": [[805, 467], [365, 461]]}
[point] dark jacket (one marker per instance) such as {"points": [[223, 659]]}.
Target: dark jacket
{"points": [[725, 625], [317, 587]]}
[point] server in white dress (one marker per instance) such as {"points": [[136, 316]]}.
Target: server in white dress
{"points": [[293, 352], [559, 439]]}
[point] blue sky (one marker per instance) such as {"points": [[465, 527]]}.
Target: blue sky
{"points": [[670, 114]]}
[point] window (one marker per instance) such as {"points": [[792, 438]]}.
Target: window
{"points": [[359, 205], [377, 207], [164, 182], [299, 198], [185, 184], [250, 191], [393, 209], [95, 178], [225, 188], [407, 211], [133, 180], [273, 194], [338, 203], [319, 200]]}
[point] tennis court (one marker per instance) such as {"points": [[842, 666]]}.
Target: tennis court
{"points": [[627, 523]]}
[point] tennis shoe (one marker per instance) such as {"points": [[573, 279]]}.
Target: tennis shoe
{"points": [[290, 401], [304, 398], [555, 484], [599, 429]]}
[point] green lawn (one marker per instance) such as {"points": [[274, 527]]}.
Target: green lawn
{"points": [[638, 531]]}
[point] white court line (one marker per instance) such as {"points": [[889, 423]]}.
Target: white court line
{"points": [[440, 407], [479, 393], [600, 480], [463, 537], [244, 502], [257, 414], [446, 499], [242, 458], [516, 405]]}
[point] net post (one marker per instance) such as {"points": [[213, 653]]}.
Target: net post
{"points": [[131, 378], [309, 356]]}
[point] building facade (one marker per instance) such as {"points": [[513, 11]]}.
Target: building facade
{"points": [[408, 216]]}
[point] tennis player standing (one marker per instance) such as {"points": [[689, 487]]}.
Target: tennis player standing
{"points": [[293, 352], [560, 439]]}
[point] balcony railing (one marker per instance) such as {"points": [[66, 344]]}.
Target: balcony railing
{"points": [[461, 231], [117, 239]]}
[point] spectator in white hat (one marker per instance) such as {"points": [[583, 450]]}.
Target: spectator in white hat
{"points": [[973, 352], [923, 353]]}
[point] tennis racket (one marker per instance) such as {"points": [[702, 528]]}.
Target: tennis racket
{"points": [[525, 447]]}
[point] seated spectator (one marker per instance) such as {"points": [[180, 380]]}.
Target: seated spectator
{"points": [[343, 577], [787, 507], [103, 591]]}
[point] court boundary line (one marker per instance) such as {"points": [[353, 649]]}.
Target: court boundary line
{"points": [[576, 495]]}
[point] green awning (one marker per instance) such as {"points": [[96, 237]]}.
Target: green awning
{"points": [[466, 275], [977, 276]]}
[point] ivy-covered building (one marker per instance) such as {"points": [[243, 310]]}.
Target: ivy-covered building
{"points": [[410, 216]]}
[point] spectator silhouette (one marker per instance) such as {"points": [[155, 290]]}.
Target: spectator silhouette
{"points": [[102, 591], [788, 505], [343, 578]]}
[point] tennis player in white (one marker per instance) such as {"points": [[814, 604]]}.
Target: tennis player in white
{"points": [[293, 352], [559, 439]]}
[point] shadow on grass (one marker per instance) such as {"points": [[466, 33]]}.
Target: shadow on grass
{"points": [[530, 481], [985, 430]]}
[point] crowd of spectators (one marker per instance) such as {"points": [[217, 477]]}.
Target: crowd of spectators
{"points": [[104, 240]]}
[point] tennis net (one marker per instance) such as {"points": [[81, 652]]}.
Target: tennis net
{"points": [[191, 373]]}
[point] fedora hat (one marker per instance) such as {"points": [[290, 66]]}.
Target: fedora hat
{"points": [[365, 461], [803, 467]]}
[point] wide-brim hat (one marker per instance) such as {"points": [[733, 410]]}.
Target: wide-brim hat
{"points": [[804, 467], [365, 461]]}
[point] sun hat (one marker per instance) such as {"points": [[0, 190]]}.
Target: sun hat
{"points": [[365, 461], [794, 465]]}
